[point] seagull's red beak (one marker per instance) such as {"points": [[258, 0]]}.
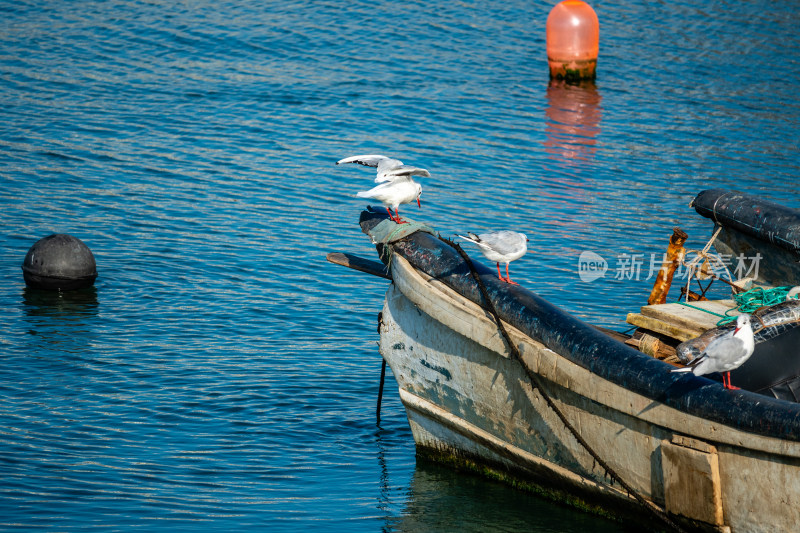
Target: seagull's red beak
{"points": [[419, 204], [735, 331]]}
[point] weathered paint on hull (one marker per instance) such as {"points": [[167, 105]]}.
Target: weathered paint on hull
{"points": [[465, 396]]}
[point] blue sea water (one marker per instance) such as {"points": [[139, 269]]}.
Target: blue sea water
{"points": [[222, 375]]}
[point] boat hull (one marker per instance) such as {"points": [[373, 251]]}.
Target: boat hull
{"points": [[467, 400]]}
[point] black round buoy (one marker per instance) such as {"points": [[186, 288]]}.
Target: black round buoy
{"points": [[59, 262]]}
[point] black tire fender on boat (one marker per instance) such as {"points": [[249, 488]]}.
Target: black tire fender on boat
{"points": [[753, 216]]}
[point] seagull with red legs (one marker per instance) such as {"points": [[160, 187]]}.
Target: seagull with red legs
{"points": [[725, 353], [501, 247], [394, 193], [396, 185]]}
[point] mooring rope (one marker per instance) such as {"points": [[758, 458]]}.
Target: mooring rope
{"points": [[535, 381]]}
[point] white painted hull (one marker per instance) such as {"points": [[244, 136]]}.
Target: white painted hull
{"points": [[466, 398]]}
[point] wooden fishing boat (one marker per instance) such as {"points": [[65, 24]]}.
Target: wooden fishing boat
{"points": [[495, 378]]}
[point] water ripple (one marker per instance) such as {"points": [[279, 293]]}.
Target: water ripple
{"points": [[221, 375]]}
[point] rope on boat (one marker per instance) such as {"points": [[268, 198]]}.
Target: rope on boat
{"points": [[698, 267], [724, 319], [536, 382], [754, 299], [388, 231], [383, 376], [748, 302]]}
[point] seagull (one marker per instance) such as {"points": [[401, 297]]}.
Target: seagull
{"points": [[725, 353], [388, 169], [500, 247], [394, 193]]}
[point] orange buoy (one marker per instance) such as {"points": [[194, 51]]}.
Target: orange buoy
{"points": [[573, 41]]}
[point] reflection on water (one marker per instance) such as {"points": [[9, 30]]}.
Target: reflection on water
{"points": [[66, 305], [573, 121], [442, 500], [60, 321]]}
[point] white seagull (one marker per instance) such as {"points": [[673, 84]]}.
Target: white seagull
{"points": [[388, 169], [394, 193], [501, 247], [725, 353]]}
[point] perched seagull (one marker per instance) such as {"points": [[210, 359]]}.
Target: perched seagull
{"points": [[388, 169], [725, 353], [394, 193], [501, 247]]}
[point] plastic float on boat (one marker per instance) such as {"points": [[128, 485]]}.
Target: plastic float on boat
{"points": [[494, 376]]}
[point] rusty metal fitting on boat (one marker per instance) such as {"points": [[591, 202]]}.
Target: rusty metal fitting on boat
{"points": [[693, 296], [674, 257]]}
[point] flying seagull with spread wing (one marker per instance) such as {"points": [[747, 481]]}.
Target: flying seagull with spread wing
{"points": [[396, 185], [387, 168]]}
